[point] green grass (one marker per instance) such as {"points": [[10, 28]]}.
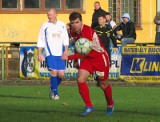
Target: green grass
{"points": [[31, 104]]}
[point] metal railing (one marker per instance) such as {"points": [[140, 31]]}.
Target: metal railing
{"points": [[9, 63]]}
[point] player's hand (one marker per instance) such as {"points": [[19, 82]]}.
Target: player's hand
{"points": [[71, 38], [40, 58], [115, 49], [64, 57]]}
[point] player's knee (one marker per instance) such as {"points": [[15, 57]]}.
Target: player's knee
{"points": [[81, 80], [61, 75], [103, 84], [53, 73]]}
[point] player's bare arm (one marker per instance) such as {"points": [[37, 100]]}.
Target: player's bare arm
{"points": [[65, 54], [40, 56]]}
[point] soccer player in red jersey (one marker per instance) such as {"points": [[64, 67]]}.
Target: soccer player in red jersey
{"points": [[97, 61]]}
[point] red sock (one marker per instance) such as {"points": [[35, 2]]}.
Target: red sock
{"points": [[108, 95], [84, 92]]}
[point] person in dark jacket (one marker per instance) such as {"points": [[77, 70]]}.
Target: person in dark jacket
{"points": [[128, 30], [106, 34], [97, 12]]}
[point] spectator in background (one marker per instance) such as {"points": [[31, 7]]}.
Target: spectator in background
{"points": [[128, 30], [97, 12], [110, 21], [106, 34], [157, 22], [71, 39]]}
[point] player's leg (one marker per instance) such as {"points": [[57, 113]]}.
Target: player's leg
{"points": [[102, 70], [103, 77], [61, 69], [52, 66], [107, 88], [60, 66], [54, 86], [84, 91], [61, 74], [108, 95]]}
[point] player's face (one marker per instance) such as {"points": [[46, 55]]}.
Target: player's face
{"points": [[101, 20], [96, 6], [77, 25], [52, 15]]}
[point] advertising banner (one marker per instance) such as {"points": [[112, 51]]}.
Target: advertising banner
{"points": [[30, 67], [140, 64], [114, 72]]}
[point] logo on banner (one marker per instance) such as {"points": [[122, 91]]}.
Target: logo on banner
{"points": [[140, 65], [28, 63]]}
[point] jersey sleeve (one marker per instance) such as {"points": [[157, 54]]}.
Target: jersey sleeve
{"points": [[41, 37], [75, 56]]}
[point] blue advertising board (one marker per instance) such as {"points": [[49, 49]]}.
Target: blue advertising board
{"points": [[140, 64]]}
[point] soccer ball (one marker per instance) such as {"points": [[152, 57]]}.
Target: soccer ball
{"points": [[83, 46]]}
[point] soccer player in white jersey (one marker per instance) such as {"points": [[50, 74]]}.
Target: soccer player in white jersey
{"points": [[54, 39]]}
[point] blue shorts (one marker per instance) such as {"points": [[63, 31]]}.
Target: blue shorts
{"points": [[55, 63]]}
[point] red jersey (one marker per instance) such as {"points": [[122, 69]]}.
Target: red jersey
{"points": [[89, 33]]}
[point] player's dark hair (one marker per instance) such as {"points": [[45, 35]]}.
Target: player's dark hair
{"points": [[75, 15]]}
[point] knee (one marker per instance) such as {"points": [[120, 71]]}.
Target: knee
{"points": [[61, 75], [53, 73], [103, 84], [123, 41], [81, 79]]}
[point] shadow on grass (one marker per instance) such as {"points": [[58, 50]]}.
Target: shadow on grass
{"points": [[24, 97]]}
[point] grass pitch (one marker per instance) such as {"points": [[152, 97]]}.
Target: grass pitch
{"points": [[31, 104]]}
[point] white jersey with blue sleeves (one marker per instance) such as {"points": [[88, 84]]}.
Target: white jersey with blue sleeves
{"points": [[53, 37]]}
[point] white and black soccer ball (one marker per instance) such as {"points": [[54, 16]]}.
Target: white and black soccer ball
{"points": [[83, 46]]}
